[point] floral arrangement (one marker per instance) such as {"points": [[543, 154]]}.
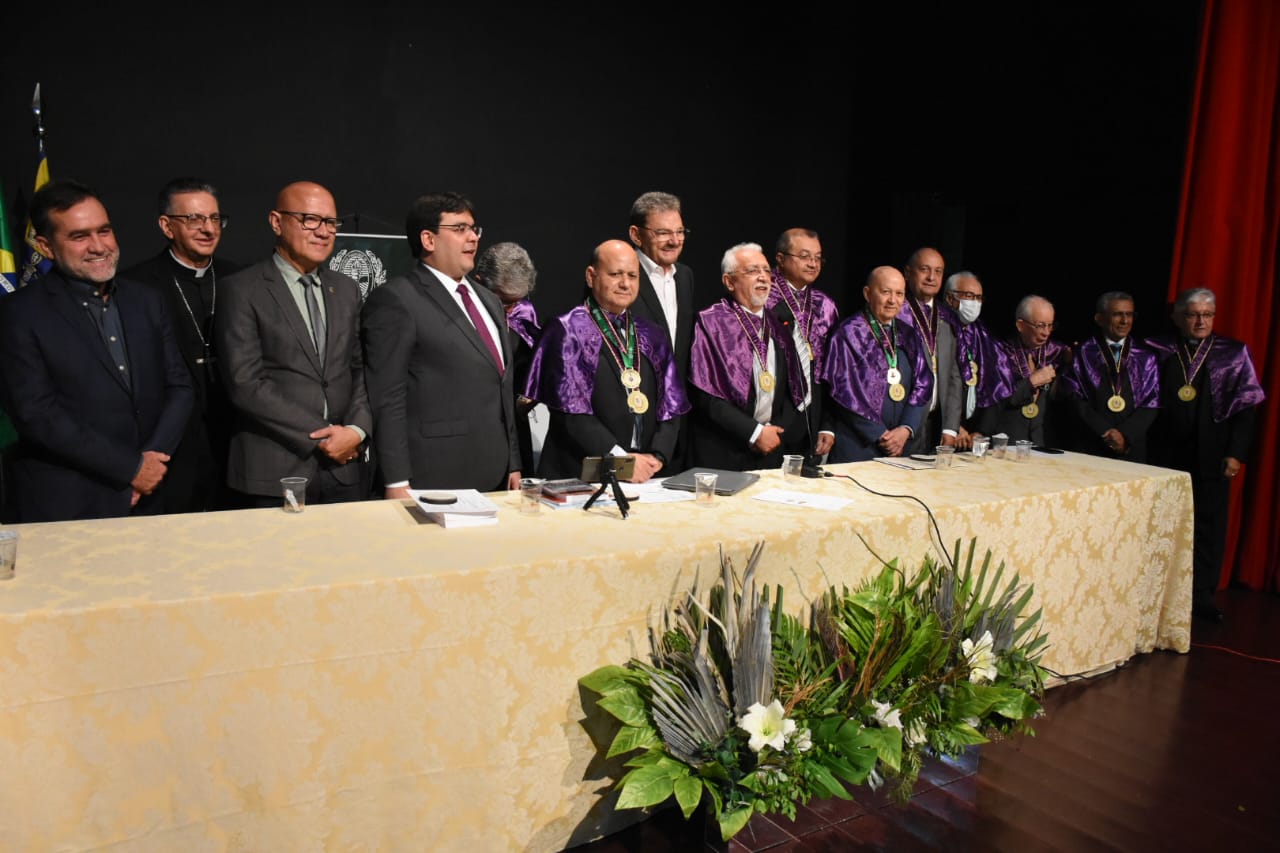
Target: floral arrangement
{"points": [[757, 710]]}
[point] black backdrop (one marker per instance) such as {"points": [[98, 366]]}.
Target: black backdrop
{"points": [[1039, 145]]}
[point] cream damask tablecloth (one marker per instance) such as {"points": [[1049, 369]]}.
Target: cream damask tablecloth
{"points": [[348, 679]]}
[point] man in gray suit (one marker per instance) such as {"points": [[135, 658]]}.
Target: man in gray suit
{"points": [[440, 363], [939, 327], [289, 334]]}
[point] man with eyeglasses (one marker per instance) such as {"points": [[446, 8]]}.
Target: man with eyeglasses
{"points": [[658, 232], [745, 380], [810, 315], [288, 336], [186, 273], [440, 363], [977, 352], [876, 374], [90, 373], [938, 328], [1024, 406], [1209, 395], [1114, 385], [607, 376]]}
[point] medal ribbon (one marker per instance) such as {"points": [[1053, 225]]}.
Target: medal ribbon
{"points": [[888, 340], [623, 355], [928, 328], [1117, 364], [1198, 359], [1031, 365], [759, 341], [801, 313]]}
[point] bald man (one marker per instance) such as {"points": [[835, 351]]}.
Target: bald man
{"points": [[608, 377], [877, 376], [288, 331], [1028, 386]]}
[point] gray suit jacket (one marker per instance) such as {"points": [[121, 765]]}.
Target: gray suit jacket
{"points": [[948, 384], [275, 380], [444, 416]]}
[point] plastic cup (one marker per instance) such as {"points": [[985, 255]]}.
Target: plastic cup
{"points": [[704, 489], [294, 492], [944, 455], [980, 448], [1022, 451], [999, 444], [792, 465], [8, 553], [531, 495]]}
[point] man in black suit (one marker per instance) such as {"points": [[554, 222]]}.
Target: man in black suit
{"points": [[440, 364], [90, 372], [666, 285], [186, 274], [608, 378], [288, 336], [745, 379], [938, 327]]}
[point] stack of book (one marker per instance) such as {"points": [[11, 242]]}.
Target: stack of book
{"points": [[562, 493]]}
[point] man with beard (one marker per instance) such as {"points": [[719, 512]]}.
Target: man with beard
{"points": [[744, 376], [877, 375], [608, 378]]}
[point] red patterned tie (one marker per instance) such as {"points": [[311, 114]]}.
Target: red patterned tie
{"points": [[478, 321]]}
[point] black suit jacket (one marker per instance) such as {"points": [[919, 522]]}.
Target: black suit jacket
{"points": [[444, 417], [276, 382], [722, 431], [197, 471], [649, 307], [81, 429]]}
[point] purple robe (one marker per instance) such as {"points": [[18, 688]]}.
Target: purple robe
{"points": [[562, 374], [1091, 369], [523, 320], [721, 359], [975, 343], [856, 365], [1232, 379], [818, 315], [1014, 366]]}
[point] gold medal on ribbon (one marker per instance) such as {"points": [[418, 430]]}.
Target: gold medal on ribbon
{"points": [[1030, 410], [1115, 403], [1186, 393], [897, 393], [893, 376], [766, 381], [630, 378], [973, 373], [637, 402]]}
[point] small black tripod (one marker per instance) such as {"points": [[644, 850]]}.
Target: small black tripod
{"points": [[609, 477]]}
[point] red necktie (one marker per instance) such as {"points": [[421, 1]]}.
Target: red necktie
{"points": [[474, 313]]}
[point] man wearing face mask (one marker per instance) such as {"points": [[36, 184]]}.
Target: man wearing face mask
{"points": [[1114, 385], [977, 353]]}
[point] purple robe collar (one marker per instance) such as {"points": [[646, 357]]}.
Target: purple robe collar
{"points": [[820, 315], [1232, 382], [721, 358], [1093, 366], [981, 355], [523, 320], [856, 366], [562, 373]]}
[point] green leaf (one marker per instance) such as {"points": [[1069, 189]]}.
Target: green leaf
{"points": [[731, 823], [688, 791], [607, 679], [644, 787], [826, 784], [627, 706], [633, 737]]}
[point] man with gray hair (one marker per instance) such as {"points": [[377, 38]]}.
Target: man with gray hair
{"points": [[745, 380], [658, 233], [1027, 391], [977, 351], [1114, 385], [1209, 394]]}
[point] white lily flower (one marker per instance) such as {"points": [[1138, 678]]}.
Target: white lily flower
{"points": [[982, 660], [802, 741], [767, 726], [887, 715]]}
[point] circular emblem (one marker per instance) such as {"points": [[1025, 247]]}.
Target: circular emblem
{"points": [[637, 402], [893, 376], [1186, 393], [630, 378], [1115, 403], [766, 381], [973, 373], [897, 393], [363, 266], [1030, 410]]}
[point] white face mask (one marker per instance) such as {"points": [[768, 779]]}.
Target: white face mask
{"points": [[969, 310]]}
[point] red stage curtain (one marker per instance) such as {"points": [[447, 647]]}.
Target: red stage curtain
{"points": [[1228, 228]]}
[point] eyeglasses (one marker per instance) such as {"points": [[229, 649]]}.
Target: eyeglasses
{"points": [[1039, 327], [463, 228], [198, 220], [667, 233], [752, 272], [313, 221], [966, 295], [805, 257], [1202, 315]]}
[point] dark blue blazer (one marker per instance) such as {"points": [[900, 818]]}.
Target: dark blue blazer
{"points": [[81, 429]]}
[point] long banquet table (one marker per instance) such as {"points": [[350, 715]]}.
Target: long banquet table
{"points": [[352, 679]]}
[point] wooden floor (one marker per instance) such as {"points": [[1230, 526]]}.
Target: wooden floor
{"points": [[1168, 753]]}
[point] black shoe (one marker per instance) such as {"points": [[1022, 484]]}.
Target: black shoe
{"points": [[1208, 611]]}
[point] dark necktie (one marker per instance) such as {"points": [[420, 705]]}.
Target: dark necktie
{"points": [[478, 321], [310, 284]]}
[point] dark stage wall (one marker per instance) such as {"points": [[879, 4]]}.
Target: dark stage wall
{"points": [[1042, 149]]}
